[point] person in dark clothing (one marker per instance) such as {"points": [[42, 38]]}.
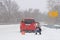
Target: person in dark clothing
{"points": [[38, 29]]}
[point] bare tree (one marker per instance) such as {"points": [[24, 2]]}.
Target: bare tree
{"points": [[10, 11]]}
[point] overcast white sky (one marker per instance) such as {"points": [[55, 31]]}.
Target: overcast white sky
{"points": [[35, 4]]}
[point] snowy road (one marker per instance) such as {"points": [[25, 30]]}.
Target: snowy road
{"points": [[11, 32]]}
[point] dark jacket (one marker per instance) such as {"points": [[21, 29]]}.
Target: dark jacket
{"points": [[38, 29]]}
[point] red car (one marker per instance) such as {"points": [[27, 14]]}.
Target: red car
{"points": [[28, 25]]}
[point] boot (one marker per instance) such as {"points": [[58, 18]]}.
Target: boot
{"points": [[36, 33]]}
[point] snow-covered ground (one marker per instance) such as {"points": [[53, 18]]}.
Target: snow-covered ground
{"points": [[11, 32]]}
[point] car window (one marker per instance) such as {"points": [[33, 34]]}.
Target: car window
{"points": [[29, 21]]}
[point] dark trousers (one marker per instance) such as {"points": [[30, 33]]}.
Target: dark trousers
{"points": [[38, 32]]}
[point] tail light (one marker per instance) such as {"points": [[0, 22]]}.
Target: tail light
{"points": [[35, 24]]}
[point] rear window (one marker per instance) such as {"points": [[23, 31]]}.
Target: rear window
{"points": [[29, 21]]}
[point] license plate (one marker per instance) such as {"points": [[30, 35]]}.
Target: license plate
{"points": [[27, 24]]}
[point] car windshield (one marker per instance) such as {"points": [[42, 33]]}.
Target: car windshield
{"points": [[29, 21]]}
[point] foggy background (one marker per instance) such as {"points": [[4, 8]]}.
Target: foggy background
{"points": [[13, 11]]}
